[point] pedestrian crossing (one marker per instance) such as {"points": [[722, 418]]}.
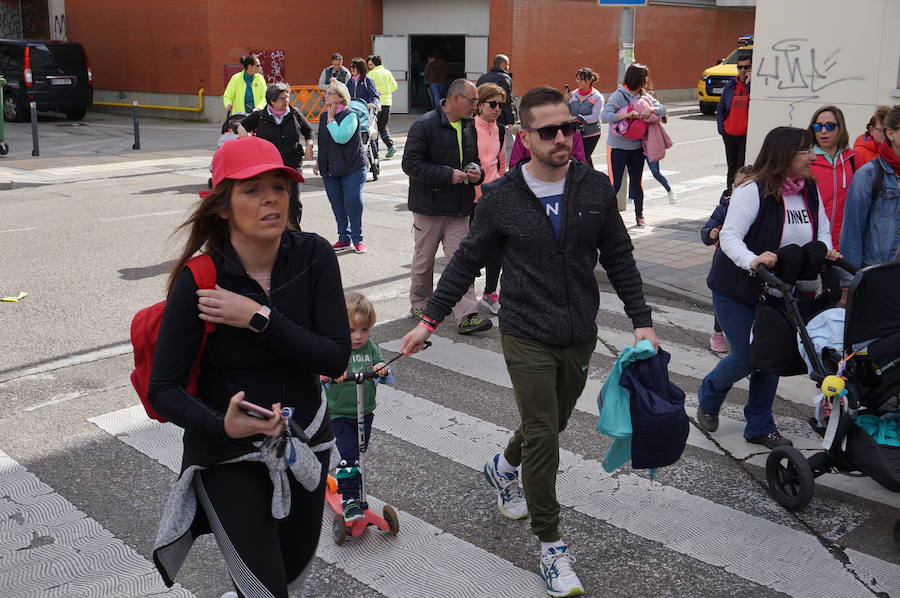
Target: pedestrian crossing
{"points": [[452, 409]]}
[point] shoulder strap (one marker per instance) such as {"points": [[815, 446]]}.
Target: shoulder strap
{"points": [[853, 163], [204, 272]]}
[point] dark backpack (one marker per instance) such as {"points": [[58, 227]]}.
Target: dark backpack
{"points": [[145, 330]]}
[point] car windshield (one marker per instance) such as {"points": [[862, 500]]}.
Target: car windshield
{"points": [[56, 56], [732, 58]]}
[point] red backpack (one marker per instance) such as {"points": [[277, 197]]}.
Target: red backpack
{"points": [[145, 330]]}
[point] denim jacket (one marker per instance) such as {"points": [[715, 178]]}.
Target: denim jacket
{"points": [[871, 233]]}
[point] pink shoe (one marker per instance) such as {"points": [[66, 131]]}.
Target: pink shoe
{"points": [[717, 342], [341, 245], [360, 247]]}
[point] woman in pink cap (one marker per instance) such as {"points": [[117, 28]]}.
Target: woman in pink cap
{"points": [[257, 483]]}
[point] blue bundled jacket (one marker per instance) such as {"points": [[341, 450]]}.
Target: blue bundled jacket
{"points": [[650, 427]]}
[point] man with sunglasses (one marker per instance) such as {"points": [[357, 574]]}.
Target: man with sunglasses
{"points": [[550, 218], [441, 159], [732, 113]]}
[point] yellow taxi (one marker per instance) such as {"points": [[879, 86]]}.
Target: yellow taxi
{"points": [[713, 80]]}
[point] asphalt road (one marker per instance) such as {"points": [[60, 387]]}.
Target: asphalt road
{"points": [[84, 475]]}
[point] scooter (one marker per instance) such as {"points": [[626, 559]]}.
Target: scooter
{"points": [[388, 520]]}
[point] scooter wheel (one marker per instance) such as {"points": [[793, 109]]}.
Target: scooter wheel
{"points": [[331, 485], [4, 149], [390, 515], [790, 477], [897, 534], [338, 529]]}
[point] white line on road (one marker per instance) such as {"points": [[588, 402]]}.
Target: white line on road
{"points": [[50, 549], [134, 216], [64, 362], [17, 230], [705, 139], [422, 560]]}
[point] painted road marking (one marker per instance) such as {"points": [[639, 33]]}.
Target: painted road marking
{"points": [[490, 367], [49, 549], [422, 560]]}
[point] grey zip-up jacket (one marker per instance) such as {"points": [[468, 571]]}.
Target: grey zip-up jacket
{"points": [[550, 292], [619, 99]]}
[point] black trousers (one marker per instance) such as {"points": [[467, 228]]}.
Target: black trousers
{"points": [[384, 115], [590, 144], [634, 161], [735, 148], [295, 208], [262, 554]]}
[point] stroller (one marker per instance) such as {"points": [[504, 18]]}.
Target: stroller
{"points": [[368, 125], [863, 379], [228, 132]]}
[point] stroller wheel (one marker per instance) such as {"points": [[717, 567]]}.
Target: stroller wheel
{"points": [[790, 478], [897, 534], [209, 183], [338, 529]]}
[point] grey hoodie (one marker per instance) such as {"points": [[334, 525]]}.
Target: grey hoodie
{"points": [[619, 99], [550, 291]]}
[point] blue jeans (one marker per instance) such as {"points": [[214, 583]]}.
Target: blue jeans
{"points": [[437, 90], [345, 195], [654, 170], [347, 439], [736, 319]]}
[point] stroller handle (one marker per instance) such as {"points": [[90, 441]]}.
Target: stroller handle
{"points": [[770, 279]]}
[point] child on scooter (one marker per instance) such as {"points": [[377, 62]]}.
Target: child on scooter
{"points": [[341, 395]]}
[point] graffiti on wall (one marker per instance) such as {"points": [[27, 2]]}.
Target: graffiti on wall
{"points": [[271, 64], [10, 19], [795, 69]]}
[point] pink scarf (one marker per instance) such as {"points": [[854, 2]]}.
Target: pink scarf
{"points": [[338, 108], [277, 113], [357, 78], [789, 187]]}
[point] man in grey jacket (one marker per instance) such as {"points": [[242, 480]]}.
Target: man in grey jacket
{"points": [[337, 71], [550, 219]]}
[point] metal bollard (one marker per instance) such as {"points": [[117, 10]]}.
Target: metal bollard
{"points": [[36, 146], [137, 125]]}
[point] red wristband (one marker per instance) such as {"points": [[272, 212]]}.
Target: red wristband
{"points": [[430, 320], [426, 326]]}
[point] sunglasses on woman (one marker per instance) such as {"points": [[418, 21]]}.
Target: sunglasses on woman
{"points": [[493, 105], [817, 127], [547, 133]]}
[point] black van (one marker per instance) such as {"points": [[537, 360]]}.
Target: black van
{"points": [[55, 74]]}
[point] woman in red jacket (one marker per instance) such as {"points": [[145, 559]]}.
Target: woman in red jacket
{"points": [[867, 145], [834, 165]]}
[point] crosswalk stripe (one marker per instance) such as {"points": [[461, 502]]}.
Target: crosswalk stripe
{"points": [[422, 560], [663, 314], [489, 366], [48, 548]]}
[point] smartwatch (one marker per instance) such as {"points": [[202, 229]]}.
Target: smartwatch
{"points": [[260, 319]]}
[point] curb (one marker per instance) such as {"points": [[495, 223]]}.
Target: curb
{"points": [[679, 110], [666, 291]]}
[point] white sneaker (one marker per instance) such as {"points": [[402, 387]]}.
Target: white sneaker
{"points": [[230, 595], [672, 197], [510, 499], [557, 573]]}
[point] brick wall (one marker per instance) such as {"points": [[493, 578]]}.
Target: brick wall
{"points": [[178, 47], [548, 40]]}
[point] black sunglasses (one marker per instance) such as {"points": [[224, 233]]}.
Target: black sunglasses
{"points": [[744, 67], [547, 133], [817, 127], [493, 104]]}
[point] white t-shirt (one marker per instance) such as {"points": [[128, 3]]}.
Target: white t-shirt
{"points": [[550, 194], [743, 210]]}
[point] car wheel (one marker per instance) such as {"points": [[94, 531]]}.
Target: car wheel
{"points": [[14, 110], [708, 107], [76, 114]]}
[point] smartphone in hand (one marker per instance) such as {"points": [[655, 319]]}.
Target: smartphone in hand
{"points": [[254, 410]]}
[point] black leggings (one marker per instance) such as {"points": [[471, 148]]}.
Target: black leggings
{"points": [[383, 116], [634, 161], [263, 555], [590, 144], [491, 269], [295, 208]]}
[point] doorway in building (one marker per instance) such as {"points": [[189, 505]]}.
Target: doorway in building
{"points": [[451, 48]]}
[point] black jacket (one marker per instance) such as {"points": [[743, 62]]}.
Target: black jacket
{"points": [[716, 219], [430, 156], [504, 79], [307, 335], [550, 291], [285, 136]]}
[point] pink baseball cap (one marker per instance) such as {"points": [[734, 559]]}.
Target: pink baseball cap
{"points": [[246, 157]]}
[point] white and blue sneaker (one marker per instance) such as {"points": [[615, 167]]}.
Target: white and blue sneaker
{"points": [[510, 499], [557, 573]]}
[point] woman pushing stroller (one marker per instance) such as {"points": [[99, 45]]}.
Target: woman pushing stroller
{"points": [[777, 205]]}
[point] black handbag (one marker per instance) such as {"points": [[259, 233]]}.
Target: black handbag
{"points": [[774, 349]]}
